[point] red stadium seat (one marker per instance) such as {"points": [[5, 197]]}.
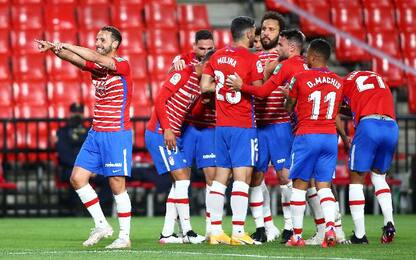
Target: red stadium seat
{"points": [[56, 2], [4, 17], [274, 6], [347, 16], [34, 136], [5, 72], [137, 110], [93, 17], [87, 38], [393, 75], [410, 60], [59, 69], [30, 111], [60, 16], [408, 43], [406, 18], [23, 41], [411, 87], [130, 2], [132, 41], [138, 65], [127, 16], [186, 40], [27, 17], [64, 92], [93, 2], [30, 93], [378, 3], [193, 16], [222, 37], [4, 42], [321, 10], [346, 51], [29, 67], [141, 93], [158, 15], [6, 93], [159, 65], [64, 35], [156, 83], [379, 18], [403, 3], [162, 41], [386, 41], [6, 112], [20, 2], [139, 131]]}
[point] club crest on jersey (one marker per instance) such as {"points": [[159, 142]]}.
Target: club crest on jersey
{"points": [[276, 70], [259, 67], [175, 78]]}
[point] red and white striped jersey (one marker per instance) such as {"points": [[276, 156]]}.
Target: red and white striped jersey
{"points": [[207, 116], [270, 110], [113, 92], [174, 101]]}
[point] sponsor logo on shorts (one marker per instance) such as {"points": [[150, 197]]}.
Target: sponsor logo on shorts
{"points": [[281, 160], [110, 164], [115, 171], [208, 156]]}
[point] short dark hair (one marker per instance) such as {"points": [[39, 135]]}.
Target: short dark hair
{"points": [[321, 47], [115, 33], [203, 35], [274, 16], [239, 25], [294, 35], [258, 31]]}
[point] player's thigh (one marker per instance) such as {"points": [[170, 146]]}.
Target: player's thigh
{"points": [[304, 154], [222, 142], [189, 138], [363, 148], [164, 160], [263, 160], [242, 174], [387, 145], [327, 160], [205, 148], [243, 147], [280, 145], [89, 156], [116, 152]]}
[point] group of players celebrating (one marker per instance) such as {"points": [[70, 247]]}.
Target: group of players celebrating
{"points": [[233, 111]]}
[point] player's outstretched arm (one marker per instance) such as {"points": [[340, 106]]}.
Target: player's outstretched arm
{"points": [[90, 55], [66, 55], [235, 82]]}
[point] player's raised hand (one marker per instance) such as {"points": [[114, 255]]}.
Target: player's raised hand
{"points": [[234, 82], [179, 65], [59, 46], [44, 46], [170, 139]]}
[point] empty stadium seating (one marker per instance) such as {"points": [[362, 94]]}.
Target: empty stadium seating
{"points": [[273, 5], [346, 51], [27, 16], [31, 93], [392, 74], [93, 17], [347, 16], [23, 41], [5, 17], [132, 41], [321, 10], [60, 16], [162, 41], [5, 73], [193, 17], [222, 37], [29, 67], [158, 15], [58, 69], [138, 65], [127, 16]]}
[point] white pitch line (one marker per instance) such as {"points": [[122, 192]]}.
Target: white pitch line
{"points": [[167, 252]]}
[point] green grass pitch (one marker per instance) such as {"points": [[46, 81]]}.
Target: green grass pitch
{"points": [[61, 238]]}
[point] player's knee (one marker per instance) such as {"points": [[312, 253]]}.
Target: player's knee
{"points": [[283, 178], [256, 179]]}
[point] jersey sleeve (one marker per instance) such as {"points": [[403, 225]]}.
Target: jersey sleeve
{"points": [[208, 69], [122, 67], [89, 66], [259, 91], [293, 88]]}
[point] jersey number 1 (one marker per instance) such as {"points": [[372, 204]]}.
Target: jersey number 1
{"points": [[315, 97]]}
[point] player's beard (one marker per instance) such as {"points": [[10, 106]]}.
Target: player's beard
{"points": [[104, 51], [269, 45]]}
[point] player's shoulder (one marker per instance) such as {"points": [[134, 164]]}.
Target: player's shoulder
{"points": [[355, 74], [120, 59]]}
